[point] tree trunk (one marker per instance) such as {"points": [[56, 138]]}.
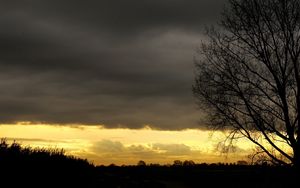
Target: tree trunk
{"points": [[297, 155]]}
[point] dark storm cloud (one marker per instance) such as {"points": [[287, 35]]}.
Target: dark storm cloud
{"points": [[119, 15], [118, 63]]}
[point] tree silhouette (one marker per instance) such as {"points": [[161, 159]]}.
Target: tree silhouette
{"points": [[188, 163], [248, 76], [177, 163], [141, 163]]}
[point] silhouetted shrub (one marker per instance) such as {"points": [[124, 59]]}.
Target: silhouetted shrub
{"points": [[30, 166]]}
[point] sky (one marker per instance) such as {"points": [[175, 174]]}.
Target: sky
{"points": [[123, 146], [113, 64], [116, 63]]}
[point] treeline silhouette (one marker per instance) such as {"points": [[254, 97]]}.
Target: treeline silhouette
{"points": [[40, 167], [201, 175]]}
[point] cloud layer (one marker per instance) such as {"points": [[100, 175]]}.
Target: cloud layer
{"points": [[117, 63], [118, 153]]}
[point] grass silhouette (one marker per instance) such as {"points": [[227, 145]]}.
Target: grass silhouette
{"points": [[20, 166]]}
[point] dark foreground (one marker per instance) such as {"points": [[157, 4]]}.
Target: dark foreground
{"points": [[25, 167], [198, 176], [63, 175]]}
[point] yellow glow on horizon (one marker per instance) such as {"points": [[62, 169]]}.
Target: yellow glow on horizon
{"points": [[124, 146]]}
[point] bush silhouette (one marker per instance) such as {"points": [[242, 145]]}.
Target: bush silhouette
{"points": [[16, 154], [20, 164]]}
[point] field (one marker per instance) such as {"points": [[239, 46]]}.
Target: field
{"points": [[197, 176]]}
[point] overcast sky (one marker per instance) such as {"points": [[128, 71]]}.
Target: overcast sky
{"points": [[122, 63]]}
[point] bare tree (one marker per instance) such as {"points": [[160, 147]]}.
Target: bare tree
{"points": [[248, 75]]}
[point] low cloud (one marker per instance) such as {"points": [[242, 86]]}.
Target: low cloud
{"points": [[173, 149], [229, 148], [118, 153], [107, 146]]}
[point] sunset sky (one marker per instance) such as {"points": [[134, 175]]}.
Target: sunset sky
{"points": [[108, 80]]}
